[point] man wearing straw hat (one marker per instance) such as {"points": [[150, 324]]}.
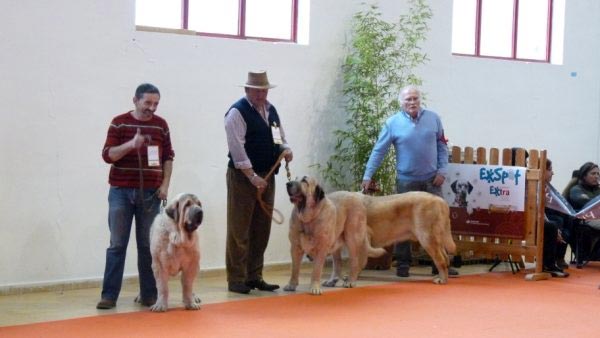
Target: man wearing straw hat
{"points": [[255, 139]]}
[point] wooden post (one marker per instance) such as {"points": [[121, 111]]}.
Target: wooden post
{"points": [[541, 204]]}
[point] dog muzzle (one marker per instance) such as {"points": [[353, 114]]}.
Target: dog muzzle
{"points": [[194, 218]]}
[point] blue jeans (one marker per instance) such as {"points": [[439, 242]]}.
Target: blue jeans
{"points": [[123, 205], [402, 250]]}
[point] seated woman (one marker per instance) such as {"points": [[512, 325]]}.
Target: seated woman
{"points": [[554, 245], [582, 189], [587, 186]]}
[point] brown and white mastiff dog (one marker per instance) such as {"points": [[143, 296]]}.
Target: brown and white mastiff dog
{"points": [[320, 225], [174, 248], [418, 216]]}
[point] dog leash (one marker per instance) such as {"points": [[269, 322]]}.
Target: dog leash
{"points": [[141, 188], [163, 205], [268, 209], [141, 175]]}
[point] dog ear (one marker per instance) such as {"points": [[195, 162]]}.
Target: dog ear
{"points": [[453, 186], [301, 204], [172, 211], [319, 194], [470, 187]]}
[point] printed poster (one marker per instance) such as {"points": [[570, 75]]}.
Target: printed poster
{"points": [[486, 200]]}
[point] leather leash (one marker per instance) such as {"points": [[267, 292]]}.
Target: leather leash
{"points": [[141, 188], [268, 209]]}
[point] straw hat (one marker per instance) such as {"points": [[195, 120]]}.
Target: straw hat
{"points": [[258, 80]]}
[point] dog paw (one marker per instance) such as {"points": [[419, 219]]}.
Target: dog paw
{"points": [[438, 280], [192, 306], [349, 284], [158, 307], [197, 299], [330, 283], [315, 289], [289, 287]]}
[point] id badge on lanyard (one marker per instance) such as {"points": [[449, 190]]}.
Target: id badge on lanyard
{"points": [[153, 156], [276, 134]]}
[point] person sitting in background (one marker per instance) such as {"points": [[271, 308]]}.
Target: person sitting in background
{"points": [[572, 182], [568, 231], [586, 189], [583, 188], [554, 244]]}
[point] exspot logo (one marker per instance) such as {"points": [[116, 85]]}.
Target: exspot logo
{"points": [[500, 176]]}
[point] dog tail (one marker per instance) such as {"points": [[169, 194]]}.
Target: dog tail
{"points": [[374, 252], [448, 240]]}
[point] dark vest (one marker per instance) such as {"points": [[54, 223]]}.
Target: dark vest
{"points": [[259, 145]]}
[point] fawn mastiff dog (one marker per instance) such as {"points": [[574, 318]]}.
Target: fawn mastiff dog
{"points": [[418, 216], [174, 249], [320, 225]]}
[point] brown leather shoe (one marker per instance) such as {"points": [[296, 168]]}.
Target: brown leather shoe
{"points": [[105, 304], [261, 285]]}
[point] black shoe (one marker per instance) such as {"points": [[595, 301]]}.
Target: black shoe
{"points": [[555, 271], [261, 285], [105, 304], [562, 264], [457, 261], [451, 271], [239, 287], [402, 272]]}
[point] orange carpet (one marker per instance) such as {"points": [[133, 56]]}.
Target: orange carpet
{"points": [[488, 305]]}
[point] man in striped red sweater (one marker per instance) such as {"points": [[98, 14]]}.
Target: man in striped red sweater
{"points": [[138, 147]]}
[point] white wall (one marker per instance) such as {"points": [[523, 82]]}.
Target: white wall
{"points": [[69, 66], [497, 103]]}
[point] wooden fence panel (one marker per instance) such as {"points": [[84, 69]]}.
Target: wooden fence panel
{"points": [[531, 246]]}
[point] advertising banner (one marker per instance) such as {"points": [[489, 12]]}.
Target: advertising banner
{"points": [[486, 200]]}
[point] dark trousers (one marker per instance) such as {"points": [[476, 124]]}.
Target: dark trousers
{"points": [[550, 244], [402, 250], [554, 250], [248, 227], [564, 225]]}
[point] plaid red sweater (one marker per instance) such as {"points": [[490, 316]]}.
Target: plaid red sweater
{"points": [[125, 172]]}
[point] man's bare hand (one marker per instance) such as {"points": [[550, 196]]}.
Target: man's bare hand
{"points": [[138, 140], [438, 180], [288, 155]]}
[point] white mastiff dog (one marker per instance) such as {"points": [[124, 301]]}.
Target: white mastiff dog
{"points": [[174, 248]]}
